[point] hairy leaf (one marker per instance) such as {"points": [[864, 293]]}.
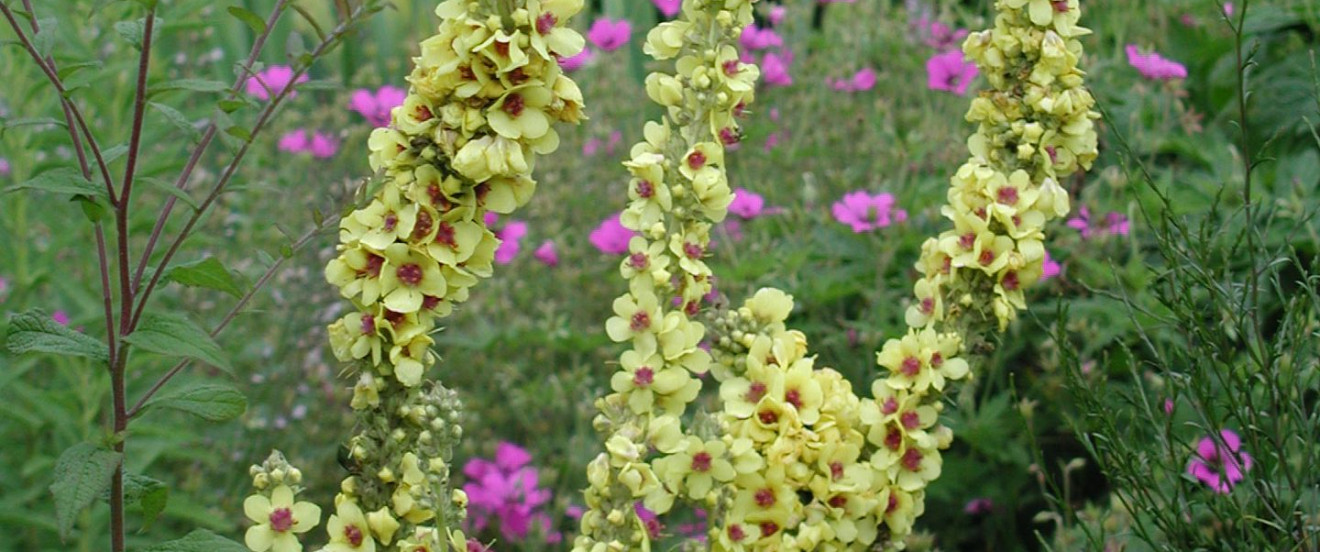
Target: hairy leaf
{"points": [[174, 335], [35, 330], [82, 473], [210, 401]]}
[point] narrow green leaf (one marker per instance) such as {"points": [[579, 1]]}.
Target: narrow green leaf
{"points": [[91, 208], [46, 37], [34, 330], [207, 273], [253, 20], [212, 402], [112, 153], [168, 188], [194, 85], [199, 540], [61, 180], [173, 335], [239, 132], [49, 122], [230, 105], [68, 69], [82, 473], [178, 119]]}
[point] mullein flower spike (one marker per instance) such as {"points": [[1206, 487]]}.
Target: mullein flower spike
{"points": [[484, 96], [795, 460]]}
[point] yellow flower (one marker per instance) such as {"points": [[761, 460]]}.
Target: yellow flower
{"points": [[408, 278], [349, 530], [696, 468], [278, 519]]}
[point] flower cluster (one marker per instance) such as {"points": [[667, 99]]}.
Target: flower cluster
{"points": [[677, 192], [484, 95], [504, 492], [278, 520]]}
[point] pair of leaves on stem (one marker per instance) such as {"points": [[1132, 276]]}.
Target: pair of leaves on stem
{"points": [[165, 334]]}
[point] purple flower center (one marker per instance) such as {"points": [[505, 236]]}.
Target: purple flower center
{"points": [[545, 23], [410, 274], [514, 104], [643, 377], [640, 321], [701, 462], [644, 189], [765, 498], [281, 520], [353, 535]]}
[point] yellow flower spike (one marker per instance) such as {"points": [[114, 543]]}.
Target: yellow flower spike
{"points": [[278, 520]]}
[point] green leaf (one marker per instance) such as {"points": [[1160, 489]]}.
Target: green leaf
{"points": [[207, 273], [239, 132], [49, 122], [110, 154], [178, 119], [195, 85], [168, 188], [174, 335], [200, 540], [150, 494], [34, 330], [258, 26], [70, 68], [132, 31], [61, 180], [230, 105], [46, 37], [82, 473], [212, 402]]}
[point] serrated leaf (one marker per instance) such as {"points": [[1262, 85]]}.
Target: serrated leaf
{"points": [[150, 494], [112, 153], [258, 26], [61, 180], [200, 540], [178, 119], [82, 473], [195, 85], [207, 273], [35, 330], [174, 335], [212, 402]]}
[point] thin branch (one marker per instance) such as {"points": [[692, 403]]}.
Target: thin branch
{"points": [[181, 183], [68, 105], [111, 337], [229, 171], [329, 222], [126, 296]]}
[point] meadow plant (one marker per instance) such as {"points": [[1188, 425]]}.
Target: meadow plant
{"points": [[136, 257]]}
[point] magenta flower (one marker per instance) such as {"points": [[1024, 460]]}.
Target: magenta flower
{"points": [[547, 253], [506, 492], [1154, 67], [749, 205], [4, 167], [950, 73], [861, 81], [575, 62], [609, 34], [510, 236], [1220, 467], [323, 146], [774, 68], [777, 14], [1115, 224], [376, 106], [649, 520], [318, 145], [939, 36], [1049, 268], [864, 212], [756, 38], [60, 317], [610, 237], [668, 7], [272, 81], [591, 147], [979, 506]]}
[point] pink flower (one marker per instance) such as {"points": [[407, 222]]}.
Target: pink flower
{"points": [[1115, 224], [294, 141], [1154, 67], [510, 236], [1228, 9], [774, 68], [749, 205], [318, 145], [272, 82], [376, 106], [668, 7], [777, 14], [979, 506], [575, 62], [610, 237], [506, 492], [649, 520], [4, 167], [60, 317], [615, 139], [323, 147], [609, 34], [949, 72], [861, 81], [547, 253], [756, 38], [864, 212], [1049, 268], [591, 147], [1168, 407], [941, 37], [1220, 467]]}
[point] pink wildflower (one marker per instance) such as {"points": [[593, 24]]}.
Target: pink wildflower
{"points": [[942, 37], [591, 147], [860, 81], [510, 236], [1115, 224], [777, 14], [4, 167], [506, 492], [318, 145], [649, 520], [668, 7], [979, 506], [609, 34], [1154, 67], [60, 317], [774, 68], [864, 212], [375, 106], [1049, 268], [749, 205], [756, 38], [575, 62], [949, 72], [1220, 467], [323, 146], [547, 253], [610, 237], [272, 81]]}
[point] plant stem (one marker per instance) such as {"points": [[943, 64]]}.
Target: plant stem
{"points": [[181, 183]]}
